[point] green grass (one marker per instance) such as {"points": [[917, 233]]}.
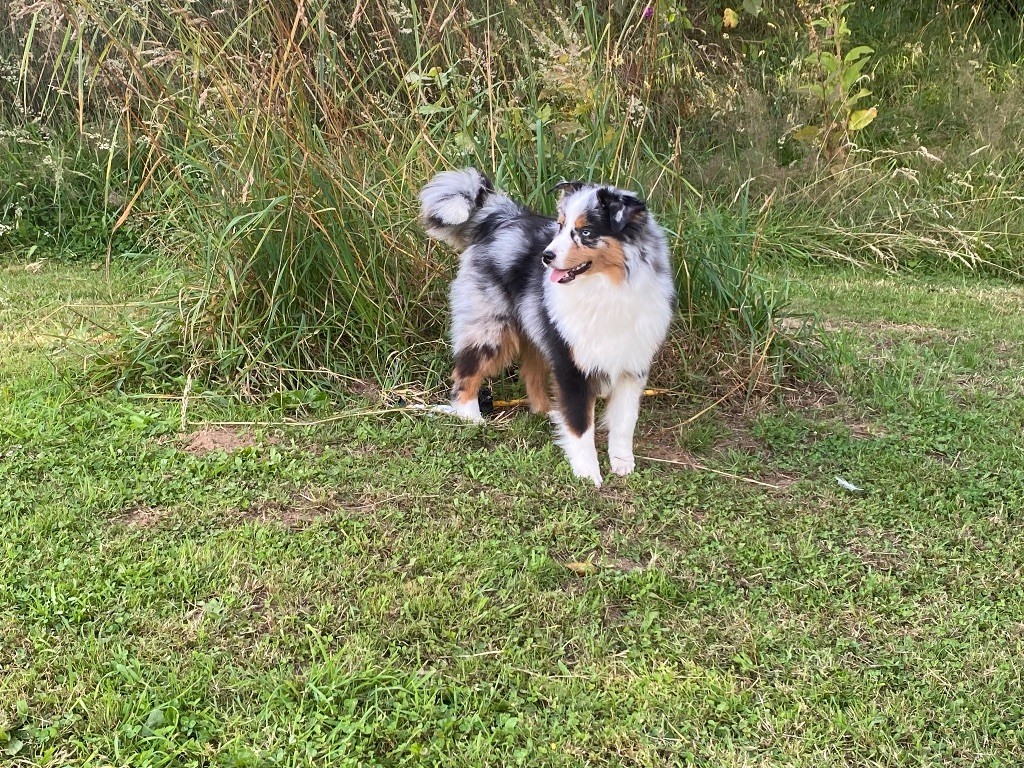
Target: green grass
{"points": [[394, 589]]}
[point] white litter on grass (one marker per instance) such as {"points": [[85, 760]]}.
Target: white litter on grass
{"points": [[445, 409], [848, 485]]}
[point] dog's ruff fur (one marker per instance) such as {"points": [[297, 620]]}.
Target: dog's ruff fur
{"points": [[585, 300]]}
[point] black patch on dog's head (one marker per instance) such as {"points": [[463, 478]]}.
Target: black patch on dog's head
{"points": [[623, 211], [565, 188]]}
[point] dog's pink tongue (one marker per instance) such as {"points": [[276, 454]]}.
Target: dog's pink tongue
{"points": [[558, 274]]}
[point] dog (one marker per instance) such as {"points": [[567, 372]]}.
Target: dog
{"points": [[585, 299]]}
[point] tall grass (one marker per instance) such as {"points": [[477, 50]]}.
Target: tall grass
{"points": [[278, 149], [289, 142]]}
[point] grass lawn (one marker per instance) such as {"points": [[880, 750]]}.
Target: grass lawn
{"points": [[404, 590]]}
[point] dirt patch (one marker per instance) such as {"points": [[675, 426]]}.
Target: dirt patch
{"points": [[660, 437], [614, 616], [887, 327], [142, 516], [289, 514], [733, 433], [774, 481], [736, 437], [366, 389], [666, 451], [211, 439], [725, 427], [305, 508]]}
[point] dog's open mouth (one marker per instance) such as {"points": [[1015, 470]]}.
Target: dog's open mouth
{"points": [[568, 275]]}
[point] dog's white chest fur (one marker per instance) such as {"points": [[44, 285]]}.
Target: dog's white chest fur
{"points": [[612, 329]]}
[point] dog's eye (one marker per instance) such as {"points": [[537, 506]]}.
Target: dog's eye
{"points": [[585, 233]]}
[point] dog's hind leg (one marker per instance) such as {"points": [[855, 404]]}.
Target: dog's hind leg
{"points": [[476, 362], [620, 417], [534, 370]]}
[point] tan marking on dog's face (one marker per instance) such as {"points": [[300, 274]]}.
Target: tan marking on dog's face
{"points": [[612, 261], [561, 220], [607, 258], [581, 222]]}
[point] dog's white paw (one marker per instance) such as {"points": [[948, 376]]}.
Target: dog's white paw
{"points": [[622, 465], [594, 477], [588, 470], [470, 411]]}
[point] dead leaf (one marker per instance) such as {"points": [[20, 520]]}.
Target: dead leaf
{"points": [[582, 569]]}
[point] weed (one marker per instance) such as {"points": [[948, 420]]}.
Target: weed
{"points": [[836, 88], [65, 195]]}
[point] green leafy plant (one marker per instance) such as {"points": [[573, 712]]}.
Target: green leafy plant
{"points": [[836, 90]]}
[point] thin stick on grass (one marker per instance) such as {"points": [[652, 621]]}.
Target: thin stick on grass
{"points": [[700, 467]]}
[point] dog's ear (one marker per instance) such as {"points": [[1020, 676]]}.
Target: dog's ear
{"points": [[622, 208], [564, 188]]}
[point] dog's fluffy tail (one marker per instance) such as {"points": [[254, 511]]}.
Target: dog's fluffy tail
{"points": [[450, 204]]}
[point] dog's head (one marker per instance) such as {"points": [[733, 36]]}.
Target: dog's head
{"points": [[595, 223]]}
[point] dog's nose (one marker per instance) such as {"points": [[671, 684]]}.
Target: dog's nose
{"points": [[547, 257]]}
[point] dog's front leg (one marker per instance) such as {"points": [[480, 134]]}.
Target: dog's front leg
{"points": [[620, 417], [574, 424]]}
